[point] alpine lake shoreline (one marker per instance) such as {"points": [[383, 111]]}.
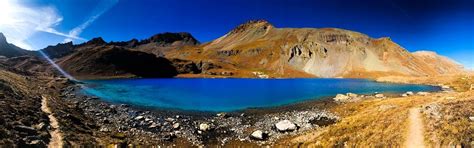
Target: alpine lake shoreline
{"points": [[128, 125]]}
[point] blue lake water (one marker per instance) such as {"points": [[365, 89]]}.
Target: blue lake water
{"points": [[232, 94]]}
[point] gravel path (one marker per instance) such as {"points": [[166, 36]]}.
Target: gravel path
{"points": [[415, 132], [56, 135]]}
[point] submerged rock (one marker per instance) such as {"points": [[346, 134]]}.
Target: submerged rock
{"points": [[285, 125]]}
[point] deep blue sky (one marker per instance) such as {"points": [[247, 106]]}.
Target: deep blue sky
{"points": [[446, 27]]}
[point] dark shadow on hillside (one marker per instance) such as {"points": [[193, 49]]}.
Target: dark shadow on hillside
{"points": [[140, 63]]}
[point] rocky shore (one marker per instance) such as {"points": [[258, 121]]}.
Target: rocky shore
{"points": [[124, 124]]}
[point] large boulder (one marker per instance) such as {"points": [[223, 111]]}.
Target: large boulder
{"points": [[349, 97], [285, 125], [379, 96], [204, 127], [422, 93], [341, 98], [259, 135]]}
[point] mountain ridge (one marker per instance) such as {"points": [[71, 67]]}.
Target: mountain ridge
{"points": [[258, 47]]}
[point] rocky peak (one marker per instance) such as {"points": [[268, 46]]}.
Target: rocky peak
{"points": [[96, 41], [169, 38], [3, 39], [253, 25]]}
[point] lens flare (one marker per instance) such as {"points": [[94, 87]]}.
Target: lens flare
{"points": [[64, 73]]}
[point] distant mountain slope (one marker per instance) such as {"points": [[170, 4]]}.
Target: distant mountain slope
{"points": [[114, 61], [326, 52], [252, 49], [441, 64], [9, 50]]}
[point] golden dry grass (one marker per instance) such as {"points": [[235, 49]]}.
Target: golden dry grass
{"points": [[383, 122]]}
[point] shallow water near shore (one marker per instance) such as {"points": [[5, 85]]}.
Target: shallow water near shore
{"points": [[201, 94]]}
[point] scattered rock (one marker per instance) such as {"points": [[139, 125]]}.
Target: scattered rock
{"points": [[176, 126], [285, 125], [341, 98], [410, 93], [259, 135], [119, 135], [352, 95], [139, 118], [154, 125], [321, 120], [471, 118], [41, 126], [221, 115], [379, 96], [25, 129], [204, 127], [450, 98], [422, 93], [386, 107], [169, 119], [349, 97], [104, 129], [432, 110]]}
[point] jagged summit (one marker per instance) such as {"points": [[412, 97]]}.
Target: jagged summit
{"points": [[97, 41], [169, 38], [3, 39], [253, 24]]}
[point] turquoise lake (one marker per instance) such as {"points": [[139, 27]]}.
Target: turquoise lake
{"points": [[232, 94]]}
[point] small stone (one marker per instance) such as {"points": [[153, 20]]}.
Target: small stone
{"points": [[353, 95], [153, 125], [104, 129], [204, 127], [139, 118], [450, 98], [410, 93], [259, 135], [285, 125], [341, 98], [41, 126], [404, 95], [379, 96], [176, 125], [221, 115], [169, 119], [471, 118], [422, 93]]}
